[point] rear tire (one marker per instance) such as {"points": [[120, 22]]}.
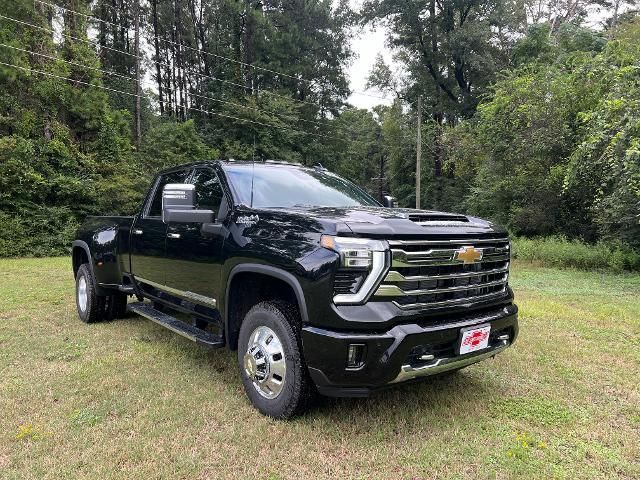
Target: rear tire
{"points": [[90, 305], [272, 368]]}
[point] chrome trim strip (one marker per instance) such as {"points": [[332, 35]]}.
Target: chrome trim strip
{"points": [[395, 291], [407, 372], [462, 241], [456, 301], [395, 276], [186, 295], [400, 258], [378, 270]]}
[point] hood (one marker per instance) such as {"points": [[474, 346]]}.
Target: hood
{"points": [[380, 222]]}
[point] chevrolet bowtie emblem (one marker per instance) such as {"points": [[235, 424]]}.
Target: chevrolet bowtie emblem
{"points": [[468, 255]]}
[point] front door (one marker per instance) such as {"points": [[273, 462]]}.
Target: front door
{"points": [[194, 250], [149, 235]]}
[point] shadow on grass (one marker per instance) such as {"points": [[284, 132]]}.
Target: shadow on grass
{"points": [[457, 393], [460, 394], [432, 399]]}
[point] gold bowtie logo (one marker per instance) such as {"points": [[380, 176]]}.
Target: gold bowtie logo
{"points": [[468, 255]]}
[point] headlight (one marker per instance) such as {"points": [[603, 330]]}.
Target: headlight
{"points": [[359, 254]]}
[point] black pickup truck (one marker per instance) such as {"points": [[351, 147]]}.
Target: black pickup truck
{"points": [[317, 286]]}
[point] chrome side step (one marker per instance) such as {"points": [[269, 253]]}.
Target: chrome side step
{"points": [[194, 334]]}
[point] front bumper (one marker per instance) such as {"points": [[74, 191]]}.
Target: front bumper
{"points": [[396, 356]]}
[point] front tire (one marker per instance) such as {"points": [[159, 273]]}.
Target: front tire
{"points": [[272, 369]]}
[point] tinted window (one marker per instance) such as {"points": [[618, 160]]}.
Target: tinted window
{"points": [[208, 189], [155, 210], [291, 186]]}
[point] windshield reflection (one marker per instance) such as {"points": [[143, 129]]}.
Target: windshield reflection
{"points": [[286, 187]]}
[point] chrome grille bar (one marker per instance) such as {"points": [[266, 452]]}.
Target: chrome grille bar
{"points": [[395, 291], [395, 276], [400, 258], [463, 241], [454, 302], [428, 274]]}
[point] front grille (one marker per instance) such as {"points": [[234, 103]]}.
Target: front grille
{"points": [[426, 274]]}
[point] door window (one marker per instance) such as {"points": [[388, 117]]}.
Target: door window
{"points": [[208, 189], [155, 208]]}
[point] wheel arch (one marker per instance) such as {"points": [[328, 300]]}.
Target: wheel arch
{"points": [[80, 254], [265, 271]]}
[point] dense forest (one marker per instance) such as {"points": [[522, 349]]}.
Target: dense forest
{"points": [[530, 117]]}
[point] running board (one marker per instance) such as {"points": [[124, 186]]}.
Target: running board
{"points": [[189, 331]]}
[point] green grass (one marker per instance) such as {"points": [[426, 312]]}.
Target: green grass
{"points": [[128, 399]]}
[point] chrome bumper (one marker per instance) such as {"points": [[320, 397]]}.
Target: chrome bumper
{"points": [[407, 372]]}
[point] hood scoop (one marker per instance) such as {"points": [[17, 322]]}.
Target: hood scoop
{"points": [[435, 218]]}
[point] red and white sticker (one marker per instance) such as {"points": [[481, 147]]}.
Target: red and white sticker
{"points": [[474, 340]]}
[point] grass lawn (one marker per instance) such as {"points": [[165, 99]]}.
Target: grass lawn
{"points": [[129, 399]]}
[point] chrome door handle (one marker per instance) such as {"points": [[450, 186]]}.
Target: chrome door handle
{"points": [[137, 231], [173, 235]]}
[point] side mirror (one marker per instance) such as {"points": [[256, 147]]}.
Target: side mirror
{"points": [[178, 205], [389, 201]]}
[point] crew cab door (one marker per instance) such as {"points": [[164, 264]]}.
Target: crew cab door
{"points": [[194, 250], [149, 235]]}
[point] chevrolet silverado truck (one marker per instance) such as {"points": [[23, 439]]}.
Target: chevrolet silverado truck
{"points": [[316, 285]]}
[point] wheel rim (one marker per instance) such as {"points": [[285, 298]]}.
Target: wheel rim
{"points": [[264, 362], [82, 293]]}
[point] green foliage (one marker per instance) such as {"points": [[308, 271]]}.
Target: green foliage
{"points": [[37, 231], [554, 149], [537, 131], [561, 252], [171, 143]]}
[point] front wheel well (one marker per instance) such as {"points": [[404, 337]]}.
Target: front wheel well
{"points": [[248, 289]]}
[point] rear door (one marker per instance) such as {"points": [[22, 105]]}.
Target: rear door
{"points": [[194, 250], [149, 235]]}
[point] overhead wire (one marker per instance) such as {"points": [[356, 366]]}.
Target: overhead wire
{"points": [[201, 75], [91, 42], [110, 73], [209, 112], [196, 95], [215, 55]]}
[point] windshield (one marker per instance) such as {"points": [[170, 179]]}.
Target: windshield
{"points": [[283, 187]]}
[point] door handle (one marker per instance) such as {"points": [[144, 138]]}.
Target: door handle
{"points": [[173, 235], [137, 231]]}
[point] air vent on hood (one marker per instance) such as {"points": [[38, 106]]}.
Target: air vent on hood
{"points": [[427, 218]]}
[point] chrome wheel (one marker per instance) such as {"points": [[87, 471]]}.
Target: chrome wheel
{"points": [[264, 362], [82, 293]]}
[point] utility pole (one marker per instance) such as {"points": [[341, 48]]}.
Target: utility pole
{"points": [[419, 152], [138, 94]]}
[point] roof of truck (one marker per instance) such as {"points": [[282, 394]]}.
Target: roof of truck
{"points": [[275, 163]]}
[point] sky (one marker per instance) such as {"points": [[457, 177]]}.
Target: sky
{"points": [[366, 45]]}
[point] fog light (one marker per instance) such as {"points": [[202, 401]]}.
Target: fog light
{"points": [[355, 355]]}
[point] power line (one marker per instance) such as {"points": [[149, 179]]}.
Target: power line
{"points": [[85, 40], [248, 107], [202, 75], [107, 72], [215, 55], [31, 70], [167, 65], [192, 94], [284, 127]]}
